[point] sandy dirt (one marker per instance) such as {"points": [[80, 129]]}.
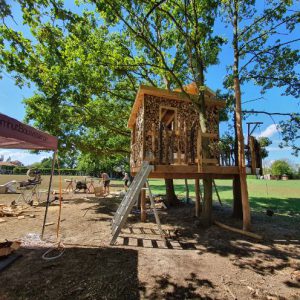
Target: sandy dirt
{"points": [[195, 263]]}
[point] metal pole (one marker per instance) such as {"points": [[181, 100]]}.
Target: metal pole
{"points": [[48, 195]]}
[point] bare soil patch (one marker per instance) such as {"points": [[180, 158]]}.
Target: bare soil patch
{"points": [[196, 263]]}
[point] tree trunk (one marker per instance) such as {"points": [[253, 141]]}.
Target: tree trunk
{"points": [[236, 183], [238, 113], [172, 199]]}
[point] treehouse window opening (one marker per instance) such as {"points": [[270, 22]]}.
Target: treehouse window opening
{"points": [[168, 117]]}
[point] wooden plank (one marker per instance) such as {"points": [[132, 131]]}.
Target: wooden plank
{"points": [[191, 171], [209, 161]]}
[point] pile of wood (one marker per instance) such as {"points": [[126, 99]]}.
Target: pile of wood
{"points": [[8, 247], [11, 211]]}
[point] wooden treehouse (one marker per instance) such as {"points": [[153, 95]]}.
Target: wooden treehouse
{"points": [[166, 132], [167, 142]]}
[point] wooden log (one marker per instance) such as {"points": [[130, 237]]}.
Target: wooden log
{"points": [[143, 205], [198, 201], [244, 232]]}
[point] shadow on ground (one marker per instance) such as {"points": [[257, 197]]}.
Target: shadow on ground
{"points": [[81, 273]]}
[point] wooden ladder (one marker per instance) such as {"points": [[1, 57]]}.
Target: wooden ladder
{"points": [[130, 199]]}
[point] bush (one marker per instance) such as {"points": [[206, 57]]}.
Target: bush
{"points": [[47, 171], [280, 167]]}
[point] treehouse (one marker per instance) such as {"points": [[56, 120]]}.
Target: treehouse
{"points": [[165, 131]]}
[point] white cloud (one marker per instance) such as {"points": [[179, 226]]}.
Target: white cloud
{"points": [[269, 131]]}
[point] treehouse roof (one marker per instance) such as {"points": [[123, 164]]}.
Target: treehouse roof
{"points": [[177, 95]]}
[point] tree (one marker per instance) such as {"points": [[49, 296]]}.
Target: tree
{"points": [[281, 167], [86, 73], [255, 45], [187, 27], [263, 143]]}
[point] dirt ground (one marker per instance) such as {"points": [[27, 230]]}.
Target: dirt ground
{"points": [[195, 263]]}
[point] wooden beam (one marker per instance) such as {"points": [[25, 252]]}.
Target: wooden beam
{"points": [[244, 232]]}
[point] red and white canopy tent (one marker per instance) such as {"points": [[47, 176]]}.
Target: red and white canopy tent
{"points": [[17, 135]]}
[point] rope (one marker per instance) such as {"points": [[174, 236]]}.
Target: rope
{"points": [[60, 246]]}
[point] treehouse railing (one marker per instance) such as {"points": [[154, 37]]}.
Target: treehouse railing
{"points": [[183, 146]]}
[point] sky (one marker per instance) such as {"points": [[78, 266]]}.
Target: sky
{"points": [[11, 103]]}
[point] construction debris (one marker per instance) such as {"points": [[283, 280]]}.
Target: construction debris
{"points": [[11, 211], [8, 247]]}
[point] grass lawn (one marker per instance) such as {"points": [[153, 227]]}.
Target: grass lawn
{"points": [[281, 196]]}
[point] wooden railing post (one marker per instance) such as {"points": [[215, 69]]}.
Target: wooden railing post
{"points": [[153, 143], [160, 141]]}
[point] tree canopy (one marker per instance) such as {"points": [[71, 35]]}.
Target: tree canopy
{"points": [[86, 62]]}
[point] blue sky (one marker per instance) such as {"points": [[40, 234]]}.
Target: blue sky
{"points": [[11, 98]]}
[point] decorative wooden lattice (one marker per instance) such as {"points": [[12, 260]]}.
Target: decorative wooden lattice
{"points": [[154, 142]]}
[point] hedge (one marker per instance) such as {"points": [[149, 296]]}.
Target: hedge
{"points": [[47, 171]]}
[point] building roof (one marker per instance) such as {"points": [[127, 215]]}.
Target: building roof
{"points": [[191, 89], [7, 164]]}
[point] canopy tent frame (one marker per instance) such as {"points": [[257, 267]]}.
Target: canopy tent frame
{"points": [[17, 135]]}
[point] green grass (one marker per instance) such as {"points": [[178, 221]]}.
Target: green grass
{"points": [[281, 196]]}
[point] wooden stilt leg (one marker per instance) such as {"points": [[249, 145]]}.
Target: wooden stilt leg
{"points": [[207, 207], [197, 202]]}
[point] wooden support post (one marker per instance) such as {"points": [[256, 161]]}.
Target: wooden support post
{"points": [[186, 147], [178, 143], [197, 202], [160, 142], [153, 143], [207, 207], [166, 150], [199, 151], [143, 205]]}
